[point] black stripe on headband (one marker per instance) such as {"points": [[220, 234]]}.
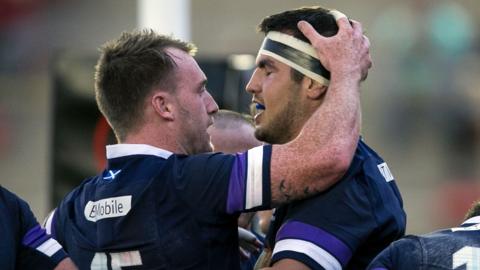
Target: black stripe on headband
{"points": [[298, 57]]}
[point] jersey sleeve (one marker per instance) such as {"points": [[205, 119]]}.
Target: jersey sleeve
{"points": [[38, 250], [226, 183], [324, 231], [403, 254]]}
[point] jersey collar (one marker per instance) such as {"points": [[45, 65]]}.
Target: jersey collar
{"points": [[121, 150], [472, 220]]}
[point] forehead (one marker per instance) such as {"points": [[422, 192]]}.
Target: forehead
{"points": [[268, 61], [187, 67]]}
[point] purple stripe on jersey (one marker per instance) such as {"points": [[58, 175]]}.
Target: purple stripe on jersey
{"points": [[236, 187], [35, 237], [317, 236]]}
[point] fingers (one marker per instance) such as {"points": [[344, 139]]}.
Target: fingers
{"points": [[258, 244], [248, 241], [246, 235], [343, 23], [357, 28], [366, 44], [337, 14], [243, 253], [366, 41], [254, 247], [368, 59], [346, 53], [308, 31]]}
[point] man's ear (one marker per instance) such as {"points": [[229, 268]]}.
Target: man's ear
{"points": [[315, 90], [163, 106]]}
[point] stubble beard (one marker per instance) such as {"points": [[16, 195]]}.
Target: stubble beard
{"points": [[281, 128], [194, 141]]}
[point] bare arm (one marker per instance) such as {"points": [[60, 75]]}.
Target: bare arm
{"points": [[263, 263], [245, 219], [287, 264], [66, 264], [322, 152]]}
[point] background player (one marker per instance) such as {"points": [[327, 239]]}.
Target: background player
{"points": [[232, 133], [454, 248]]}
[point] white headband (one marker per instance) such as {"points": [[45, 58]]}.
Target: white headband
{"points": [[296, 53]]}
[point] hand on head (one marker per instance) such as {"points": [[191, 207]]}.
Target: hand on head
{"points": [[345, 54]]}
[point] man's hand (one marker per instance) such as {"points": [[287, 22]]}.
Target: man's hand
{"points": [[248, 243], [346, 54], [264, 260]]}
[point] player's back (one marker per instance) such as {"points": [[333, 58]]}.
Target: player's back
{"points": [[455, 248], [138, 214]]}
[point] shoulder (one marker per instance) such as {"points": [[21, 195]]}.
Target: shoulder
{"points": [[8, 196], [13, 202], [405, 253], [213, 158], [408, 247], [454, 237], [253, 161]]}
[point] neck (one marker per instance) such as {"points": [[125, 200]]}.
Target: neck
{"points": [[163, 138]]}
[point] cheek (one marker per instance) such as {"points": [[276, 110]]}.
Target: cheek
{"points": [[272, 98]]}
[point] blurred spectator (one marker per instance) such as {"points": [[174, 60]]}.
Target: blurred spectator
{"points": [[452, 199], [427, 41]]}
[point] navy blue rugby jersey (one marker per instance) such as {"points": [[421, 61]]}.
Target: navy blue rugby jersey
{"points": [[23, 243], [455, 248], [346, 226], [151, 209]]}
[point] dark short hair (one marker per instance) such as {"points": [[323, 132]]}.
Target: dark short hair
{"points": [[286, 22], [474, 210], [126, 72]]}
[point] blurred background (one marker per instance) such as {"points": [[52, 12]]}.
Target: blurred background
{"points": [[421, 102]]}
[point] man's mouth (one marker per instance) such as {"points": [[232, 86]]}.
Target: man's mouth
{"points": [[210, 123], [259, 106]]}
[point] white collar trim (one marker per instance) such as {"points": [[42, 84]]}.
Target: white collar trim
{"points": [[121, 150], [472, 220]]}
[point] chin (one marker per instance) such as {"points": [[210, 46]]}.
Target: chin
{"points": [[270, 136], [206, 148], [261, 134]]}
